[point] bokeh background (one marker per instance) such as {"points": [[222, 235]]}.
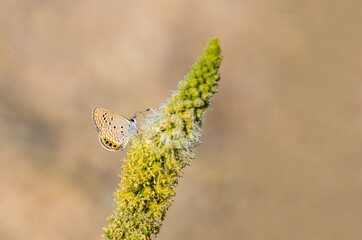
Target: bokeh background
{"points": [[281, 156]]}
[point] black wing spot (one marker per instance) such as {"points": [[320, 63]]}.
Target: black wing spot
{"points": [[112, 118], [107, 142], [110, 144], [121, 126], [105, 113], [114, 127], [110, 123], [105, 139], [115, 145]]}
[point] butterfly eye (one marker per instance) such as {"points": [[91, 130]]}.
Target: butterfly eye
{"points": [[132, 120]]}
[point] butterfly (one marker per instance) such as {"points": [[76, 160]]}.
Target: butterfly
{"points": [[114, 129]]}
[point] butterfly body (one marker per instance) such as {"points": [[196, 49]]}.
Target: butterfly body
{"points": [[114, 129]]}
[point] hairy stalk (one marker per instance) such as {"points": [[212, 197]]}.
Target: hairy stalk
{"points": [[161, 149]]}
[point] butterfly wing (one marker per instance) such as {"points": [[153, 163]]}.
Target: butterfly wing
{"points": [[112, 127]]}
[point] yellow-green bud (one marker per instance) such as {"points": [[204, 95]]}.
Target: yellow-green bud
{"points": [[162, 148]]}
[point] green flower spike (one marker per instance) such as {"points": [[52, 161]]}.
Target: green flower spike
{"points": [[161, 149]]}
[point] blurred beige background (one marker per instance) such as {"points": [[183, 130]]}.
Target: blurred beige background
{"points": [[281, 156]]}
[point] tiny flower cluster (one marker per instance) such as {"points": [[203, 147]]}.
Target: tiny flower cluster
{"points": [[159, 152]]}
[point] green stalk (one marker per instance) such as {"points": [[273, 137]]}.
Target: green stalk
{"points": [[162, 148]]}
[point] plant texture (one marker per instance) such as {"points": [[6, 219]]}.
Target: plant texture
{"points": [[162, 147]]}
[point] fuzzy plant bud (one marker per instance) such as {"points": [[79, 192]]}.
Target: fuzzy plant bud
{"points": [[161, 149]]}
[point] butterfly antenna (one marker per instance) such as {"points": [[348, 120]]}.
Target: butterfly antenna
{"points": [[135, 115]]}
